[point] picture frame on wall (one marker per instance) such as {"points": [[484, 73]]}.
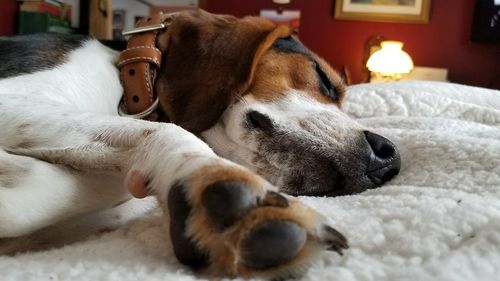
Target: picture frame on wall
{"points": [[486, 22], [405, 11]]}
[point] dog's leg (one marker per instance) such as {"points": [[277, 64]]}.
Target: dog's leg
{"points": [[222, 215], [35, 194]]}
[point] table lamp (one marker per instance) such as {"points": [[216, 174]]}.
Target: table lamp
{"points": [[390, 62]]}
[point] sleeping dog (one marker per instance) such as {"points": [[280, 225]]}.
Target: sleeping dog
{"points": [[247, 117]]}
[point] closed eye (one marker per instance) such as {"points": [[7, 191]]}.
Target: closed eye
{"points": [[325, 84]]}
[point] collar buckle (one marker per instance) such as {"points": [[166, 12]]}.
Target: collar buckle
{"points": [[143, 29], [139, 100], [152, 27]]}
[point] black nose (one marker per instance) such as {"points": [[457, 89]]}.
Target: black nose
{"points": [[385, 160]]}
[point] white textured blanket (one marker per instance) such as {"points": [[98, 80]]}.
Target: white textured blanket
{"points": [[438, 220]]}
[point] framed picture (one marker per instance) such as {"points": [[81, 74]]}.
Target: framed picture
{"points": [[486, 23], [409, 11]]}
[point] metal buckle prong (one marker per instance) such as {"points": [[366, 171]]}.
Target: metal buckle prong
{"points": [[143, 29], [152, 27]]}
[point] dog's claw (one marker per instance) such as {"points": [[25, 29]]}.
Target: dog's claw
{"points": [[273, 198], [335, 240]]}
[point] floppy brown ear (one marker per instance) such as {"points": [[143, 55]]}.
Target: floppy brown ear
{"points": [[209, 62]]}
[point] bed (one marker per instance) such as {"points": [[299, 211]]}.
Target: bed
{"points": [[438, 220]]}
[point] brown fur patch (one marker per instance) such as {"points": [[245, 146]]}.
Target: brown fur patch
{"points": [[24, 144], [23, 141], [210, 62], [280, 72], [147, 132]]}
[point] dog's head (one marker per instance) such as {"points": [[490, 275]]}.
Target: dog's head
{"points": [[258, 97]]}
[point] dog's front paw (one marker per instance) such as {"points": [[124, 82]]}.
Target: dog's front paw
{"points": [[232, 222]]}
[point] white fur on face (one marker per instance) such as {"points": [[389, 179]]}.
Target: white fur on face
{"points": [[306, 135]]}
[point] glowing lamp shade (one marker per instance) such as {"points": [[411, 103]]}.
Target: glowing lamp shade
{"points": [[391, 60]]}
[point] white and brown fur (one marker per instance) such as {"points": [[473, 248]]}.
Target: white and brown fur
{"points": [[274, 125]]}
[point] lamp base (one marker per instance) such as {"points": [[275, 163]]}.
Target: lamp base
{"points": [[377, 77]]}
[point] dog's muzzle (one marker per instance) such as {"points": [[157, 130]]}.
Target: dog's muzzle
{"points": [[380, 162]]}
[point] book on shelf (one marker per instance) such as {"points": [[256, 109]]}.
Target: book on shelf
{"points": [[32, 22], [54, 2], [53, 7]]}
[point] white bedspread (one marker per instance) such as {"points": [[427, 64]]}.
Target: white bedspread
{"points": [[438, 220]]}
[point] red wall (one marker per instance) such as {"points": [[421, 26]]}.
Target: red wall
{"points": [[7, 16], [443, 42]]}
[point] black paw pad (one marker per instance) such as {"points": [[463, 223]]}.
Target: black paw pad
{"points": [[272, 243], [228, 201], [185, 250]]}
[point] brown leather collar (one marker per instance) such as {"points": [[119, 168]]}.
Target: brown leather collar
{"points": [[138, 64]]}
